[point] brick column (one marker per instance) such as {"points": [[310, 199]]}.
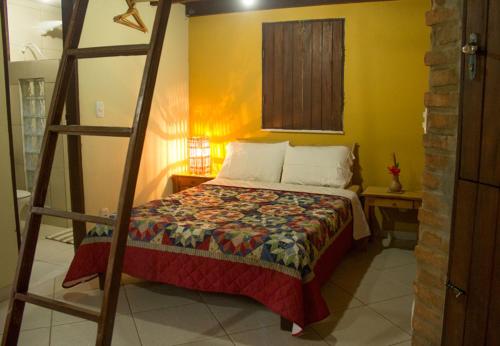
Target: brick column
{"points": [[440, 142]]}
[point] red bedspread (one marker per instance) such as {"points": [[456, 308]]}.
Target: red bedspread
{"points": [[277, 247]]}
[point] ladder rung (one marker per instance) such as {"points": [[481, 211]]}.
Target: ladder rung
{"points": [[73, 216], [58, 306], [109, 51], [80, 130]]}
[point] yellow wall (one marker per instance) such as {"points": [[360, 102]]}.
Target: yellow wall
{"points": [[116, 81], [385, 79], [8, 245]]}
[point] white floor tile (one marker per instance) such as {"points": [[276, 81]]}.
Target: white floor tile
{"points": [[239, 313], [372, 285], [150, 296], [43, 272], [35, 337], [360, 326], [393, 257], [177, 325], [45, 288], [240, 317], [380, 290], [349, 276], [223, 299], [378, 257], [46, 230], [89, 299], [217, 341], [84, 333], [405, 274], [398, 311], [274, 336], [338, 299], [54, 252], [34, 316]]}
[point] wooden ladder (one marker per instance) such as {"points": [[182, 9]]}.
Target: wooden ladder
{"points": [[20, 295]]}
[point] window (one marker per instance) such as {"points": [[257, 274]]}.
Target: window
{"points": [[303, 75], [33, 120]]}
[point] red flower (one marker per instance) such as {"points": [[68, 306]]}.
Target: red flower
{"points": [[394, 170]]}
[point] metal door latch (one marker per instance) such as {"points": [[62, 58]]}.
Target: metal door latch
{"points": [[470, 49], [458, 291]]}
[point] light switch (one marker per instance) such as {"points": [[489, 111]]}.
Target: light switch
{"points": [[99, 109]]}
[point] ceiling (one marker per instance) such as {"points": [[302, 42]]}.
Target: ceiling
{"points": [[208, 7], [55, 3]]}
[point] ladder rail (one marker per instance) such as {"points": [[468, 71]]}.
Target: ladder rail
{"points": [[74, 216], [59, 306], [109, 51], [85, 130], [74, 143], [131, 171], [32, 227]]}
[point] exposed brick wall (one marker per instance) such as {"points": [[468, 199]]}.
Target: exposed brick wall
{"points": [[440, 142]]}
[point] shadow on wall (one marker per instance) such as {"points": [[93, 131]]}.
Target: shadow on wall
{"points": [[218, 120], [165, 148]]}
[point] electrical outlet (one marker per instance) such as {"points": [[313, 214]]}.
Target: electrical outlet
{"points": [[99, 109]]}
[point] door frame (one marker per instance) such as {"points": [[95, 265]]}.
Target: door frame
{"points": [[461, 68], [6, 60]]}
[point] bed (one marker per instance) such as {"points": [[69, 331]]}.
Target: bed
{"points": [[276, 243]]}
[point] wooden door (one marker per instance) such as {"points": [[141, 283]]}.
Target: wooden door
{"points": [[490, 142], [480, 146], [472, 299], [472, 312]]}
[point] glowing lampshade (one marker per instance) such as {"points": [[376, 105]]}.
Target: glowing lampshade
{"points": [[199, 155]]}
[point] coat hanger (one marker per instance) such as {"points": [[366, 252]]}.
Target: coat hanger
{"points": [[131, 12]]}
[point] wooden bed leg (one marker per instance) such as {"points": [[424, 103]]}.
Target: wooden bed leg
{"points": [[286, 324], [102, 278]]}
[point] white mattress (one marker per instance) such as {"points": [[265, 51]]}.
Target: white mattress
{"points": [[360, 226]]}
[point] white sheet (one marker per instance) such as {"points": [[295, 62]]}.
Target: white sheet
{"points": [[360, 226]]}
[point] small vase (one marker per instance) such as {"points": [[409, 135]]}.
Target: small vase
{"points": [[395, 186]]}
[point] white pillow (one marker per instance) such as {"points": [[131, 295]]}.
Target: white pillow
{"points": [[254, 161], [323, 166]]}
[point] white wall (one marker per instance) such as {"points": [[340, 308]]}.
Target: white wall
{"points": [[27, 24], [8, 246], [116, 81]]}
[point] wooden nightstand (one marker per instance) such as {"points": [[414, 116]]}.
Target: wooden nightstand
{"points": [[185, 181], [376, 196]]}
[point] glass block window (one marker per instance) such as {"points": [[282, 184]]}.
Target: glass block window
{"points": [[34, 118]]}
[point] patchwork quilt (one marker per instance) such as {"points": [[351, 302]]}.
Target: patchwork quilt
{"points": [[279, 234]]}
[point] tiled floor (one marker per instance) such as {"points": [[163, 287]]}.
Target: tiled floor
{"points": [[370, 296]]}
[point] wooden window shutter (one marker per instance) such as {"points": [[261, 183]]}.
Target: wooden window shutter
{"points": [[303, 75]]}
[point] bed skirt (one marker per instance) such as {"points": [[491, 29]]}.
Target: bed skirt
{"points": [[301, 303]]}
